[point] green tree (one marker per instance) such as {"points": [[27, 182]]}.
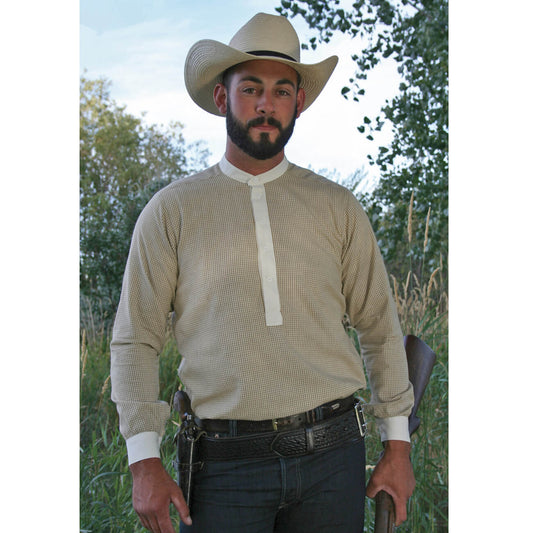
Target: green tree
{"points": [[415, 34], [123, 162]]}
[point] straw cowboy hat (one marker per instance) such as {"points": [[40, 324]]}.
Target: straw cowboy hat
{"points": [[262, 37]]}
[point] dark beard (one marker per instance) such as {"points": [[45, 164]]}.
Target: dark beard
{"points": [[262, 149]]}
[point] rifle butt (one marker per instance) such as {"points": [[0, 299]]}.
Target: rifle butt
{"points": [[420, 362]]}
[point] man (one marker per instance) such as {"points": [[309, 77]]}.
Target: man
{"points": [[259, 261]]}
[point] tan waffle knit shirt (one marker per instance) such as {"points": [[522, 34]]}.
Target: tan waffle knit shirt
{"points": [[259, 272]]}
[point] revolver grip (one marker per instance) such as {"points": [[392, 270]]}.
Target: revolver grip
{"points": [[182, 404]]}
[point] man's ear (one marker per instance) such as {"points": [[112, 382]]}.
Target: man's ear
{"points": [[220, 96], [300, 101]]}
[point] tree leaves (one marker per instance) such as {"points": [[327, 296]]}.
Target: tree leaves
{"points": [[123, 162], [414, 33]]}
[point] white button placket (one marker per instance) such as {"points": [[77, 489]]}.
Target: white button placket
{"points": [[265, 254], [263, 234]]}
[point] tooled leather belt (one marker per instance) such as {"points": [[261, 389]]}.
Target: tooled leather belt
{"points": [[305, 439]]}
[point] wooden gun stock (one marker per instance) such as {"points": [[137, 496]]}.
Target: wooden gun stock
{"points": [[420, 362], [384, 520]]}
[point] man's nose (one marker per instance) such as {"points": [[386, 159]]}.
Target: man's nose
{"points": [[265, 104]]}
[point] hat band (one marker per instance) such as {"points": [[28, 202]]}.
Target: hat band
{"points": [[271, 53]]}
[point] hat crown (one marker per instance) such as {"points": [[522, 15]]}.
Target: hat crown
{"points": [[265, 36], [268, 33]]}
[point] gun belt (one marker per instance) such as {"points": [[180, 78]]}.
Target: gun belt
{"points": [[318, 437]]}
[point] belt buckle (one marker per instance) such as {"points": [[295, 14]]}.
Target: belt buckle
{"points": [[360, 417]]}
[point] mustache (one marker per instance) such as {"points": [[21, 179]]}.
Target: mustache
{"points": [[271, 121]]}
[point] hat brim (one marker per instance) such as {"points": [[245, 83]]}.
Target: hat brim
{"points": [[207, 60]]}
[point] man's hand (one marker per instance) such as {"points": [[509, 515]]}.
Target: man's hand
{"points": [[394, 474], [153, 491]]}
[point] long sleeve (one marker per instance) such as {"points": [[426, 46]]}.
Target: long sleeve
{"points": [[147, 297], [371, 308]]}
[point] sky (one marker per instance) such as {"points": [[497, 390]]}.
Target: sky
{"points": [[141, 47]]}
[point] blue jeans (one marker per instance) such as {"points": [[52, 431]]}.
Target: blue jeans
{"points": [[323, 492]]}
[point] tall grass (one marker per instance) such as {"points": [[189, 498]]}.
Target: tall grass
{"points": [[422, 308], [422, 305], [105, 482]]}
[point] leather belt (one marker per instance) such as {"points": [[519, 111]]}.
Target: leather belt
{"points": [[243, 427], [328, 434]]}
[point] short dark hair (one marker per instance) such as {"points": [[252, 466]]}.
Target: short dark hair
{"points": [[226, 75]]}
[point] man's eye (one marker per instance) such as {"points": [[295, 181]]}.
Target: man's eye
{"points": [[249, 90]]}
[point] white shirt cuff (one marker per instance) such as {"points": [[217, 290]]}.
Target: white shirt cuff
{"points": [[394, 428], [143, 446]]}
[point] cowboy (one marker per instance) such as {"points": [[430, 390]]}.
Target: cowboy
{"points": [[260, 262]]}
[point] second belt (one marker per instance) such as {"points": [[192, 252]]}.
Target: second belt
{"points": [[293, 443]]}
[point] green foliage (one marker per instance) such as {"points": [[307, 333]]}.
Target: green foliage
{"points": [[105, 482], [414, 33], [123, 162]]}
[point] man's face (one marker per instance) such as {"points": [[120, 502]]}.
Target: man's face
{"points": [[264, 147], [262, 103]]}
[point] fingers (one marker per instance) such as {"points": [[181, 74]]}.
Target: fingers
{"points": [[145, 523], [372, 489], [157, 522], [183, 510], [153, 492], [400, 503], [400, 510], [394, 475], [157, 518]]}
